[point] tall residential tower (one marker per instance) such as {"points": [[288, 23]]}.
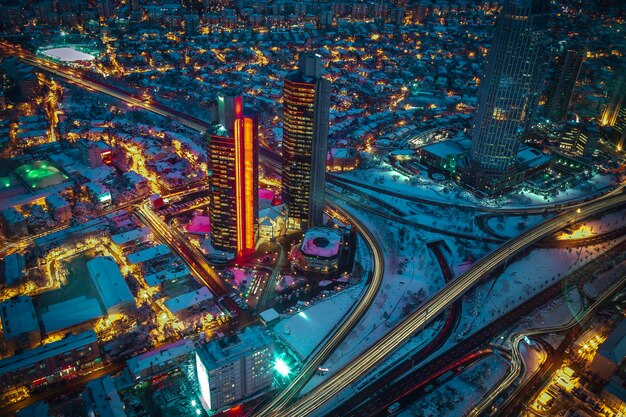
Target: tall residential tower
{"points": [[233, 170], [562, 84], [509, 92], [306, 107]]}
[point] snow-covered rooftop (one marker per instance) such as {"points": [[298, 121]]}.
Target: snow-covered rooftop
{"points": [[18, 317], [67, 54], [147, 254], [70, 313], [190, 299], [156, 357], [109, 282], [321, 241]]}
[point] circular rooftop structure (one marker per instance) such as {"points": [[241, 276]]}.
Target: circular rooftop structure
{"points": [[321, 242]]}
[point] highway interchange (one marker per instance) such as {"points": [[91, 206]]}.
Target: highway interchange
{"points": [[313, 401]]}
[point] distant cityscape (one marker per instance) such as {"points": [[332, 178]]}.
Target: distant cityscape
{"points": [[411, 208]]}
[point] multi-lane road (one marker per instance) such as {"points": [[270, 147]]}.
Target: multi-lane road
{"points": [[192, 257], [323, 353], [514, 340], [308, 404]]}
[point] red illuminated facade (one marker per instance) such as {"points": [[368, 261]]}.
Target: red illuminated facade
{"points": [[233, 169]]}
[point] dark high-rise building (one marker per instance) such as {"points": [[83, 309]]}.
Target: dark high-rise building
{"points": [[580, 139], [233, 170], [562, 84], [306, 106], [509, 93]]}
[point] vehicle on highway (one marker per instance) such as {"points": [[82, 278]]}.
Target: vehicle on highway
{"points": [[393, 407]]}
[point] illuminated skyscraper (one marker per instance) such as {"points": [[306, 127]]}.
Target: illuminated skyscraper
{"points": [[306, 106], [233, 169], [509, 92], [614, 112], [562, 85], [234, 367]]}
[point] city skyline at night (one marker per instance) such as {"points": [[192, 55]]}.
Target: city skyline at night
{"points": [[302, 208]]}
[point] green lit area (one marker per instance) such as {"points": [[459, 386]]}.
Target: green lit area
{"points": [[6, 182], [40, 174]]}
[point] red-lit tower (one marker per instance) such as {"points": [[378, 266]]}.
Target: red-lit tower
{"points": [[233, 169]]}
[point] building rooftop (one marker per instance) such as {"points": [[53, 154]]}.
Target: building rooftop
{"points": [[55, 201], [39, 409], [228, 349], [11, 215], [18, 317], [448, 148], [147, 254], [616, 388], [158, 356], [42, 353], [134, 234], [269, 315], [323, 242], [169, 274], [101, 398], [70, 313], [614, 347], [109, 282], [134, 178], [13, 268], [190, 299]]}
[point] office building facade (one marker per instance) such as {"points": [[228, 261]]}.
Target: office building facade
{"points": [[562, 84], [233, 171], [509, 93], [306, 108]]}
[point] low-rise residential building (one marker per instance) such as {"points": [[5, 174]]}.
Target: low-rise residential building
{"points": [[19, 323], [101, 399], [234, 367], [614, 395], [51, 362], [98, 194], [145, 255], [59, 208], [160, 360], [13, 223], [189, 303], [137, 182], [342, 159], [132, 237], [95, 153], [13, 269]]}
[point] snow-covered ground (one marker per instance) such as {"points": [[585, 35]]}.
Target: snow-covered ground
{"points": [[411, 274], [520, 281], [533, 358], [449, 192], [461, 393], [303, 331], [514, 225], [556, 312], [595, 287]]}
